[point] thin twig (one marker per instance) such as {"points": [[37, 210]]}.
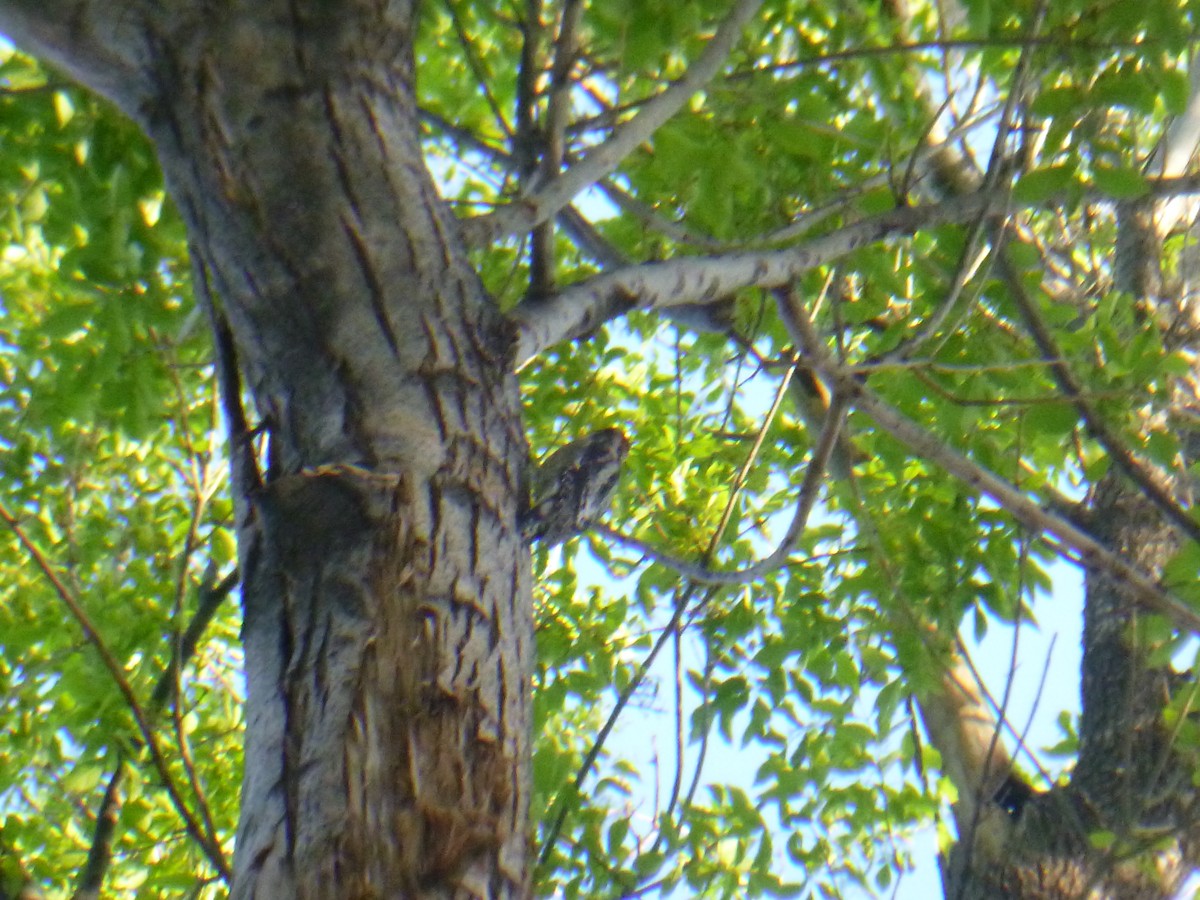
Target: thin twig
{"points": [[1108, 439], [748, 463], [476, 66], [1090, 552], [91, 875], [980, 479], [806, 500], [582, 307], [604, 159], [212, 851], [581, 231], [565, 798], [774, 69]]}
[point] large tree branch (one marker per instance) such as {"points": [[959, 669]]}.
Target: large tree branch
{"points": [[539, 206], [93, 42], [961, 726], [581, 308], [581, 232]]}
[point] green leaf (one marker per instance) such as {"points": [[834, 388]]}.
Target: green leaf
{"points": [[1123, 183], [1174, 88], [1066, 100], [1040, 185], [112, 444], [1102, 840]]}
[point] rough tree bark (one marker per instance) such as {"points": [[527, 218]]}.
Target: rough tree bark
{"points": [[1125, 825], [386, 588]]}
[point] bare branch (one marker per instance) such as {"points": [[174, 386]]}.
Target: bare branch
{"points": [[961, 726], [699, 279], [91, 875], [1091, 552], [465, 139], [558, 104], [589, 241], [583, 307], [528, 143], [562, 801], [942, 44], [542, 261], [209, 599], [529, 211], [524, 139], [1069, 385], [475, 64], [739, 480], [805, 501]]}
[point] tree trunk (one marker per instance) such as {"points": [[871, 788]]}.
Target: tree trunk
{"points": [[388, 623], [1124, 827]]}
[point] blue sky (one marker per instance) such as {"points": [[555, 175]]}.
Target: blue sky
{"points": [[1047, 659]]}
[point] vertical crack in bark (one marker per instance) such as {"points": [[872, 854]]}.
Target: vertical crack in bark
{"points": [[375, 291]]}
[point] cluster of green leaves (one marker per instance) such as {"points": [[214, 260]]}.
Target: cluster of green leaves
{"points": [[111, 464]]}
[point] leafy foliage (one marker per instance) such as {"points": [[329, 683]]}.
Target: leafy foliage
{"points": [[113, 465], [112, 461]]}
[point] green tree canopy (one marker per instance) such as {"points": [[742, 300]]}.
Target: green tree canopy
{"points": [[894, 304]]}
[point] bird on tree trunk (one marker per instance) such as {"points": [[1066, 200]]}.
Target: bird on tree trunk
{"points": [[573, 487]]}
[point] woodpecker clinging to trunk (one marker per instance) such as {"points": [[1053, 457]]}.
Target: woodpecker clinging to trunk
{"points": [[572, 488]]}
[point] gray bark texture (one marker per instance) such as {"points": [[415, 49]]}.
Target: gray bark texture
{"points": [[388, 623]]}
